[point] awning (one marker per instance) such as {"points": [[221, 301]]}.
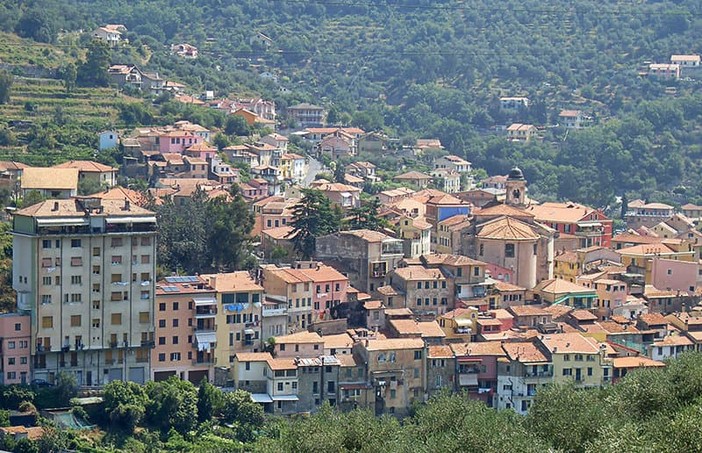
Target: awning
{"points": [[285, 398], [205, 340], [72, 221], [589, 224], [346, 194], [199, 301], [249, 332], [261, 398], [151, 219], [469, 380]]}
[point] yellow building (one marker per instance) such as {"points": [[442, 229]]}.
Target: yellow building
{"points": [[566, 266], [238, 318], [460, 324], [577, 358]]}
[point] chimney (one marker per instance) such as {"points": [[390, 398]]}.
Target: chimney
{"points": [[56, 206], [126, 205]]}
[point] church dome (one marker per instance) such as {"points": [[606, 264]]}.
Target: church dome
{"points": [[515, 174]]}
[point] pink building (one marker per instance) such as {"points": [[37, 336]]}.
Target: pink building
{"points": [[14, 349], [673, 275], [178, 141], [477, 368]]}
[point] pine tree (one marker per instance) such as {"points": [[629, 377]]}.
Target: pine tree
{"points": [[313, 216]]}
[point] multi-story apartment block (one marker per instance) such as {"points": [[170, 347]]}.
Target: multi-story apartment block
{"points": [[238, 315], [424, 290], [395, 369], [185, 336], [520, 374], [83, 270], [14, 349]]}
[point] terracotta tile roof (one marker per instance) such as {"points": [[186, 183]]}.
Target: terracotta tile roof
{"points": [[673, 340], [387, 290], [615, 327], [86, 166], [502, 210], [72, 208], [390, 312], [651, 291], [413, 273], [505, 286], [439, 352], [253, 356], [10, 165], [283, 232], [390, 344], [507, 228], [566, 257], [560, 212], [525, 352], [457, 313], [373, 305], [488, 322], [450, 260], [583, 315], [367, 235], [563, 343], [120, 193], [528, 310], [426, 329], [232, 281], [493, 348], [636, 362], [282, 364], [413, 175], [653, 319], [646, 249], [560, 286], [501, 313], [299, 338], [339, 341], [37, 178]]}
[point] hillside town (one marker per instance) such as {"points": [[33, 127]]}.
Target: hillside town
{"points": [[467, 285]]}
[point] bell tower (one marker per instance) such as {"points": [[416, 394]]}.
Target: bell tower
{"points": [[516, 187]]}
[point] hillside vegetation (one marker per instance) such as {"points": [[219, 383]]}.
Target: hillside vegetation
{"points": [[436, 69]]}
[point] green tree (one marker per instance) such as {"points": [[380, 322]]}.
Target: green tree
{"points": [[313, 216], [209, 401], [4, 417], [38, 24], [6, 80], [69, 75], [89, 186], [229, 225], [221, 141], [366, 216], [236, 125], [31, 198], [172, 404], [125, 404], [245, 414], [93, 72]]}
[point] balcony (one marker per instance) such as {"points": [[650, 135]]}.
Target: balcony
{"points": [[269, 312], [204, 313], [462, 330], [539, 374]]}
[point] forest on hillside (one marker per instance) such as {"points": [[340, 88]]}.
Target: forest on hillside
{"points": [[420, 68]]}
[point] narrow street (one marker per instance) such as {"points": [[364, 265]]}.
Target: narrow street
{"points": [[314, 167]]}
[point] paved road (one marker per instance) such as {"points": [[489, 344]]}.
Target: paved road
{"points": [[314, 167]]}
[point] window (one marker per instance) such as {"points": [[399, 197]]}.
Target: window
{"points": [[589, 371], [116, 259], [162, 323], [76, 320], [96, 251], [75, 243], [417, 355], [45, 299], [175, 322], [116, 278], [145, 295], [18, 326], [175, 356], [175, 339], [46, 281], [116, 242], [162, 306], [161, 340], [175, 306], [46, 244], [76, 280], [115, 296], [145, 259], [482, 249], [280, 386], [76, 261], [144, 317], [162, 357], [566, 357], [47, 322], [476, 271], [567, 372], [116, 319], [11, 345], [145, 241], [509, 250]]}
